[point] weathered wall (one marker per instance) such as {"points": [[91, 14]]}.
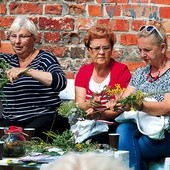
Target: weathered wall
{"points": [[62, 24]]}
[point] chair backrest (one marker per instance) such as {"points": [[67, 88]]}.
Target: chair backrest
{"points": [[69, 92]]}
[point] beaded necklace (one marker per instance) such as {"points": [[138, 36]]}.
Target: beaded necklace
{"points": [[149, 76], [151, 79]]}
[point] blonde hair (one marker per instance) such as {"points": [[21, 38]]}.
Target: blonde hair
{"points": [[85, 161], [159, 26]]}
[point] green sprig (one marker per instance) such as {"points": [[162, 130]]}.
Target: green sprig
{"points": [[4, 66]]}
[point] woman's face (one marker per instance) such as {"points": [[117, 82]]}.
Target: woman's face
{"points": [[100, 51], [150, 52], [22, 41]]}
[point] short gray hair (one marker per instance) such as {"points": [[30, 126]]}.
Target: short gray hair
{"points": [[22, 21], [85, 161]]}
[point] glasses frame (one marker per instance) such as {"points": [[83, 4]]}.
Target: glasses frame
{"points": [[13, 37], [153, 28], [97, 49]]}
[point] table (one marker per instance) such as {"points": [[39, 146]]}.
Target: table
{"points": [[17, 166], [123, 156]]}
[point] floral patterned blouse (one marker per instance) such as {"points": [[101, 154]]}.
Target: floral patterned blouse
{"points": [[157, 88]]}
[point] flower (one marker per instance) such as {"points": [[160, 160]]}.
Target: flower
{"points": [[116, 91], [134, 100]]}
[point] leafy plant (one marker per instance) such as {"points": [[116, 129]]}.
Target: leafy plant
{"points": [[72, 111], [66, 142], [134, 100], [4, 66]]}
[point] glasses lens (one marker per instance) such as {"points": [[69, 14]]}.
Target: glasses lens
{"points": [[143, 27], [150, 28]]}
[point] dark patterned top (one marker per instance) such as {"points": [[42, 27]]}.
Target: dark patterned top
{"points": [[158, 88], [27, 98]]}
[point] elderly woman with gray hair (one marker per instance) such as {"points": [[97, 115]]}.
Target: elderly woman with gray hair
{"points": [[154, 79], [35, 80], [85, 161]]}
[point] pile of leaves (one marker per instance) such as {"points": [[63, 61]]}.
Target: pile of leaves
{"points": [[64, 141]]}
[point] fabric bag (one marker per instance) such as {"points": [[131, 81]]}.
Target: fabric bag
{"points": [[152, 126], [84, 129]]}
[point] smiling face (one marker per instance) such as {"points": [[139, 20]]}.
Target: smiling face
{"points": [[150, 51], [100, 51], [22, 42]]}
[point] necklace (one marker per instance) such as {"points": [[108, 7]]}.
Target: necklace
{"points": [[151, 79], [149, 76]]}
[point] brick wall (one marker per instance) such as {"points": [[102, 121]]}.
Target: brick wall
{"points": [[62, 24]]}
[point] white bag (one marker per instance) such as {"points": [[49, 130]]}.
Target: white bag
{"points": [[152, 126], [84, 129]]}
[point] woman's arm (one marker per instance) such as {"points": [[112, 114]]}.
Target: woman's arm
{"points": [[80, 97], [158, 108]]}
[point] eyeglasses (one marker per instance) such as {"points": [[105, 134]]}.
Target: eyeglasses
{"points": [[104, 48], [13, 37], [150, 29]]}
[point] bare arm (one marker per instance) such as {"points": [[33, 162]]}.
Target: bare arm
{"points": [[43, 77], [158, 108], [80, 98], [153, 108]]}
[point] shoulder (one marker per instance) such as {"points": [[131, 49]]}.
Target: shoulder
{"points": [[47, 56], [118, 66], [142, 70], [5, 55], [86, 67]]}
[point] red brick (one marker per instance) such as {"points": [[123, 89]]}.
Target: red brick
{"points": [[119, 25], [2, 9], [95, 10], [134, 65], [139, 11], [136, 24], [165, 12], [140, 1], [167, 2], [5, 22], [113, 10], [6, 47], [53, 9], [103, 21], [25, 8], [76, 9], [2, 35], [51, 37], [56, 24], [84, 23], [112, 1], [59, 51], [128, 39]]}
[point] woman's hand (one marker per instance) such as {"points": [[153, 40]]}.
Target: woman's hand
{"points": [[120, 108], [15, 72], [111, 104], [93, 113]]}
